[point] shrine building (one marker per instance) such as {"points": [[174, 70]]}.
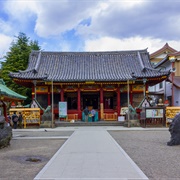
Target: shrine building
{"points": [[105, 81]]}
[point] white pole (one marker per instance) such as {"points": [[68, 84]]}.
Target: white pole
{"points": [[128, 99], [52, 106]]}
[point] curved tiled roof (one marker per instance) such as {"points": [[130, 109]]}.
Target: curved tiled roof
{"points": [[5, 91], [165, 48], [88, 66], [175, 81]]}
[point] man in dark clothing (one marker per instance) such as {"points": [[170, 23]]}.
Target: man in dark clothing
{"points": [[86, 113], [15, 120]]}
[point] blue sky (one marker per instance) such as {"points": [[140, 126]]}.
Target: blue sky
{"points": [[91, 25]]}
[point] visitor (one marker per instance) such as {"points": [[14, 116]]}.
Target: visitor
{"points": [[15, 120], [8, 120], [86, 113], [93, 112]]}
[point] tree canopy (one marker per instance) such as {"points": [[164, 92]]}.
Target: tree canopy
{"points": [[17, 59]]}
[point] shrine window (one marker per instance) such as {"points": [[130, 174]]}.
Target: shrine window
{"points": [[160, 85], [71, 99], [110, 100], [55, 100], [123, 98]]}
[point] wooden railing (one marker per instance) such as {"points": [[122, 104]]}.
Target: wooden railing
{"points": [[71, 117], [110, 117]]}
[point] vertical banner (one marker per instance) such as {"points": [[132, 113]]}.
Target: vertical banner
{"points": [[62, 109], [102, 110]]}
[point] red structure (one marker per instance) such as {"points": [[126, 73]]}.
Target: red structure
{"points": [[98, 80]]}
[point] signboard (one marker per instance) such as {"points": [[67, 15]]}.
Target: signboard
{"points": [[154, 113], [62, 109]]}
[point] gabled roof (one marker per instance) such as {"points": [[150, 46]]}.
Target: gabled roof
{"points": [[8, 93], [88, 66], [175, 54], [161, 62], [175, 81], [166, 48]]}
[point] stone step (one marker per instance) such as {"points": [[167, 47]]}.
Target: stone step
{"points": [[81, 123]]}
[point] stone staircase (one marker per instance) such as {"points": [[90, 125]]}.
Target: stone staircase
{"points": [[81, 123]]}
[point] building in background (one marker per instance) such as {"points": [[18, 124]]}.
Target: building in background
{"points": [[167, 58], [105, 81]]}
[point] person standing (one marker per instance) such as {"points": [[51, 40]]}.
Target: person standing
{"points": [[15, 120], [86, 113], [9, 120], [20, 119], [93, 112]]}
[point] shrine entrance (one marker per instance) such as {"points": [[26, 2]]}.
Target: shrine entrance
{"points": [[91, 100]]}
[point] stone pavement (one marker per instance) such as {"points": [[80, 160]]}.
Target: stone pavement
{"points": [[90, 153]]}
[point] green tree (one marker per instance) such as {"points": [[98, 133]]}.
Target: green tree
{"points": [[17, 59]]}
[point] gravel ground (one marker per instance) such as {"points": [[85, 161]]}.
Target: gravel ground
{"points": [[14, 164], [149, 151]]}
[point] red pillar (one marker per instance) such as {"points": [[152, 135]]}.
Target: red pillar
{"points": [[131, 95], [62, 95], [5, 112], [118, 101], [79, 103], [49, 95], [172, 85]]}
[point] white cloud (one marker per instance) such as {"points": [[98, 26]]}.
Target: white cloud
{"points": [[5, 27], [5, 42], [114, 24], [145, 19], [21, 10], [56, 17], [134, 43]]}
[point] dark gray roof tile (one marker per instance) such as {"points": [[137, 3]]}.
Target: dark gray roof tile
{"points": [[88, 66]]}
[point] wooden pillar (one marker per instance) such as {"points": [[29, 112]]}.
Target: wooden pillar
{"points": [[146, 87], [49, 95], [62, 94], [118, 101], [101, 104], [5, 111], [79, 103]]}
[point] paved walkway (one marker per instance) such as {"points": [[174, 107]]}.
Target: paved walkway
{"points": [[90, 154]]}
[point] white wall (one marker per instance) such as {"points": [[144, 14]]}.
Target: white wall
{"points": [[168, 89], [176, 97]]}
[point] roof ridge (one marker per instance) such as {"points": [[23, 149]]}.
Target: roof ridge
{"points": [[22, 71], [96, 66], [38, 62], [166, 46], [161, 62], [141, 61], [88, 52]]}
